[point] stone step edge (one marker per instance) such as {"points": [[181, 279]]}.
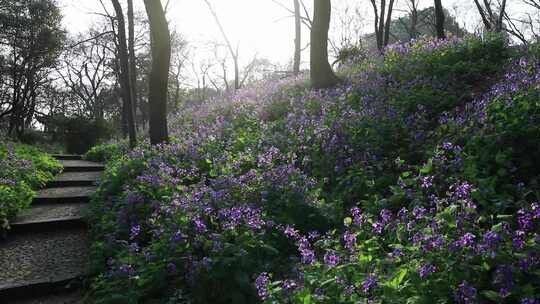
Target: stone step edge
{"points": [[38, 288], [71, 183], [67, 156], [92, 168], [60, 200], [61, 222]]}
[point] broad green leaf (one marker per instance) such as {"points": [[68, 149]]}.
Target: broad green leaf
{"points": [[397, 278]]}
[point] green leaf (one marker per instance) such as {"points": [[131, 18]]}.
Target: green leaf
{"points": [[397, 278], [428, 167], [306, 299], [491, 295], [365, 258]]}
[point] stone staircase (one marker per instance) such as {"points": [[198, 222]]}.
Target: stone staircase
{"points": [[44, 256]]}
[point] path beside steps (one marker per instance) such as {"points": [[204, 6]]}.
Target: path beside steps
{"points": [[45, 253]]}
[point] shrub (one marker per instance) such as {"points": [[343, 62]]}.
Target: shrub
{"points": [[107, 152], [247, 203], [22, 169], [439, 247], [79, 133]]}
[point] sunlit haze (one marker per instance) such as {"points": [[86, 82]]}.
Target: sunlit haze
{"points": [[260, 27]]}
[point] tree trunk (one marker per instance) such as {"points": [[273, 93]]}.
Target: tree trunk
{"points": [[234, 54], [378, 36], [236, 72], [159, 74], [502, 12], [124, 73], [132, 61], [414, 21], [482, 13], [298, 38], [388, 22], [322, 75], [381, 25], [439, 20]]}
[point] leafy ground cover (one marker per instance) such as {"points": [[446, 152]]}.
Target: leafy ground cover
{"points": [[415, 181], [23, 169]]}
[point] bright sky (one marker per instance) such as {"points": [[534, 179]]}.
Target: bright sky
{"points": [[259, 26]]}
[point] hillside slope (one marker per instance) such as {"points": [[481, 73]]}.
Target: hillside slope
{"points": [[413, 182]]}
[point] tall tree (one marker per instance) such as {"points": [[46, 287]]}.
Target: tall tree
{"points": [[383, 19], [439, 20], [132, 55], [232, 50], [31, 40], [492, 16], [412, 25], [298, 37], [425, 27], [125, 78], [87, 73], [301, 15], [322, 75], [159, 74]]}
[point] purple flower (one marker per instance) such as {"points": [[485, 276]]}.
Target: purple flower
{"points": [[403, 213], [370, 283], [291, 232], [419, 212], [518, 239], [177, 237], [377, 227], [491, 239], [447, 146], [331, 259], [7, 182], [289, 284], [358, 217], [466, 293], [466, 240], [350, 239], [261, 284], [427, 182], [171, 268], [425, 270], [386, 216], [200, 226], [529, 301], [535, 208], [504, 292], [525, 220], [126, 269], [307, 254], [134, 197], [313, 235], [397, 252], [134, 232], [133, 248], [462, 191], [504, 275]]}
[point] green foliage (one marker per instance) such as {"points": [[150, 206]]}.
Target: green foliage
{"points": [[79, 133], [22, 170], [107, 152], [402, 27], [396, 187]]}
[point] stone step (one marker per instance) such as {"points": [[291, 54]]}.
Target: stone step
{"points": [[49, 216], [62, 296], [67, 157], [81, 166], [64, 195], [73, 179], [37, 263]]}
